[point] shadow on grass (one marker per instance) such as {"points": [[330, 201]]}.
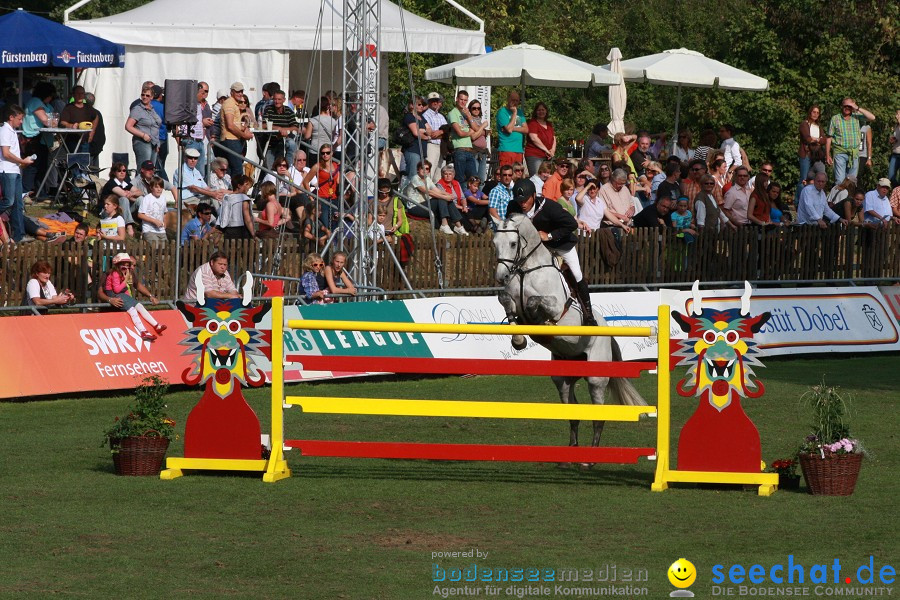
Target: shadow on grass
{"points": [[462, 472]]}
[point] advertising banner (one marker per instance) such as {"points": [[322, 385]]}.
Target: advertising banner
{"points": [[811, 320], [58, 354]]}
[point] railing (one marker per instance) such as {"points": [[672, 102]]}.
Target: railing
{"points": [[645, 257]]}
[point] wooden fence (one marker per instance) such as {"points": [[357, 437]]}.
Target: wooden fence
{"points": [[645, 256]]}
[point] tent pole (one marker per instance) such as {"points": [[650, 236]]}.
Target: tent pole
{"points": [[21, 84], [178, 206], [677, 117]]}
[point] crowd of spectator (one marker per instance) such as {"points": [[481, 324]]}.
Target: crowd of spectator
{"points": [[450, 173]]}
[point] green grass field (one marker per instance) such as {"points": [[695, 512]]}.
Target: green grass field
{"points": [[359, 529]]}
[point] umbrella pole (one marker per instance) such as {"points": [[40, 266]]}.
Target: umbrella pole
{"points": [[21, 83], [677, 117]]}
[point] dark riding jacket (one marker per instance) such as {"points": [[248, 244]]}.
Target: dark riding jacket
{"points": [[550, 217]]}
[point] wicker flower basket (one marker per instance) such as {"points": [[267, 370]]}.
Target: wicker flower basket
{"points": [[834, 475], [138, 456]]}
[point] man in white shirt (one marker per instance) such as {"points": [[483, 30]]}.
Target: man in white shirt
{"points": [[11, 163], [737, 199], [730, 147], [190, 180], [434, 118], [877, 206], [812, 208]]}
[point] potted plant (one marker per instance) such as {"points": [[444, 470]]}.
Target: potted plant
{"points": [[829, 458], [139, 440], [788, 479]]}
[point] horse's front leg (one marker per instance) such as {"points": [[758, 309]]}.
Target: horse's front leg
{"points": [[509, 305], [541, 309], [597, 389], [566, 388]]}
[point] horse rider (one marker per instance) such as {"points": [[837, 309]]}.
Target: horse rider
{"points": [[557, 230]]}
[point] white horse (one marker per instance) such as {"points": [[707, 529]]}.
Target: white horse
{"points": [[536, 294]]}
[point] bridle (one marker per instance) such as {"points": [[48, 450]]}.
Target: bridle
{"points": [[514, 268]]}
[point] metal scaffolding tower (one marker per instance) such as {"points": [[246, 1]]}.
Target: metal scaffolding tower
{"points": [[359, 144]]}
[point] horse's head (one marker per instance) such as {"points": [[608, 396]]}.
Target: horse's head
{"points": [[719, 350], [514, 241], [222, 335]]}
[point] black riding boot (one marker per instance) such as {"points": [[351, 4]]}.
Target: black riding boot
{"points": [[584, 296]]}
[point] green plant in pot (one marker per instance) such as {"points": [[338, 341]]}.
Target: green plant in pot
{"points": [[139, 439], [788, 479], [829, 458]]}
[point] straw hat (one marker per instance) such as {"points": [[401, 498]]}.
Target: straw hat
{"points": [[122, 257]]}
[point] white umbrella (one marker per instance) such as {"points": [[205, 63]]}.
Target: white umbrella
{"points": [[618, 95], [523, 64], [683, 67]]}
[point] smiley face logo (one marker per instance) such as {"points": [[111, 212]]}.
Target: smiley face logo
{"points": [[682, 573]]}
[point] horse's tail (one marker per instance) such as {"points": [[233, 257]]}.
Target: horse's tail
{"points": [[622, 390]]}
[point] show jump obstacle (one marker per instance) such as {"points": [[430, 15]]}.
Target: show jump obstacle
{"points": [[275, 467]]}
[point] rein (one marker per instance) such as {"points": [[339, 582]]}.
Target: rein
{"points": [[515, 269]]}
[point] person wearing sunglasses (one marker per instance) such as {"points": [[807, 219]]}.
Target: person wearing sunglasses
{"points": [[327, 174], [462, 131], [843, 138], [481, 129], [143, 124], [234, 136], [313, 279], [200, 226]]}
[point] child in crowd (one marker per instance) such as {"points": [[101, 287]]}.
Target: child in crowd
{"points": [[152, 211], [112, 227], [477, 202], [119, 284], [682, 220], [315, 232], [567, 188], [377, 230]]}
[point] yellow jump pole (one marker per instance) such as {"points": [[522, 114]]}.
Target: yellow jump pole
{"points": [[550, 330], [277, 467], [663, 399]]}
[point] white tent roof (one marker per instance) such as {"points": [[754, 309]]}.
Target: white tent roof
{"points": [[292, 25]]}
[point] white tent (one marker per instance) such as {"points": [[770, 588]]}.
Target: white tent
{"points": [[222, 41]]}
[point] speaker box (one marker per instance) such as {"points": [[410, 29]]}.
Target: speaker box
{"points": [[181, 101]]}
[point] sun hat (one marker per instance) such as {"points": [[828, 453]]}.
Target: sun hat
{"points": [[192, 153], [122, 257]]}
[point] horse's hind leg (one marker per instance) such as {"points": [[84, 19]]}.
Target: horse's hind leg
{"points": [[566, 388], [597, 389]]}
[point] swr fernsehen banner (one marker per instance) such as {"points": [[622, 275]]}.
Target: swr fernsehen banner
{"points": [[73, 353], [57, 354]]}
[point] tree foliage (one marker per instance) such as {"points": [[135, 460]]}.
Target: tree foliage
{"points": [[810, 51]]}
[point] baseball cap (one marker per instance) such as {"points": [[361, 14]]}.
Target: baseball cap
{"points": [[147, 165], [434, 96], [523, 189], [884, 182], [192, 153], [222, 93], [157, 91], [237, 86]]}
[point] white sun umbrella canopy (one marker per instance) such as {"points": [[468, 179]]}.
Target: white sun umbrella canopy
{"points": [[522, 64], [683, 67], [618, 95]]}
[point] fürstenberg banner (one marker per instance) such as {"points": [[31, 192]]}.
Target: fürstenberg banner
{"points": [[803, 321]]}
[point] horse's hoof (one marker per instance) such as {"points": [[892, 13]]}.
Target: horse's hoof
{"points": [[585, 466], [518, 342], [563, 465]]}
